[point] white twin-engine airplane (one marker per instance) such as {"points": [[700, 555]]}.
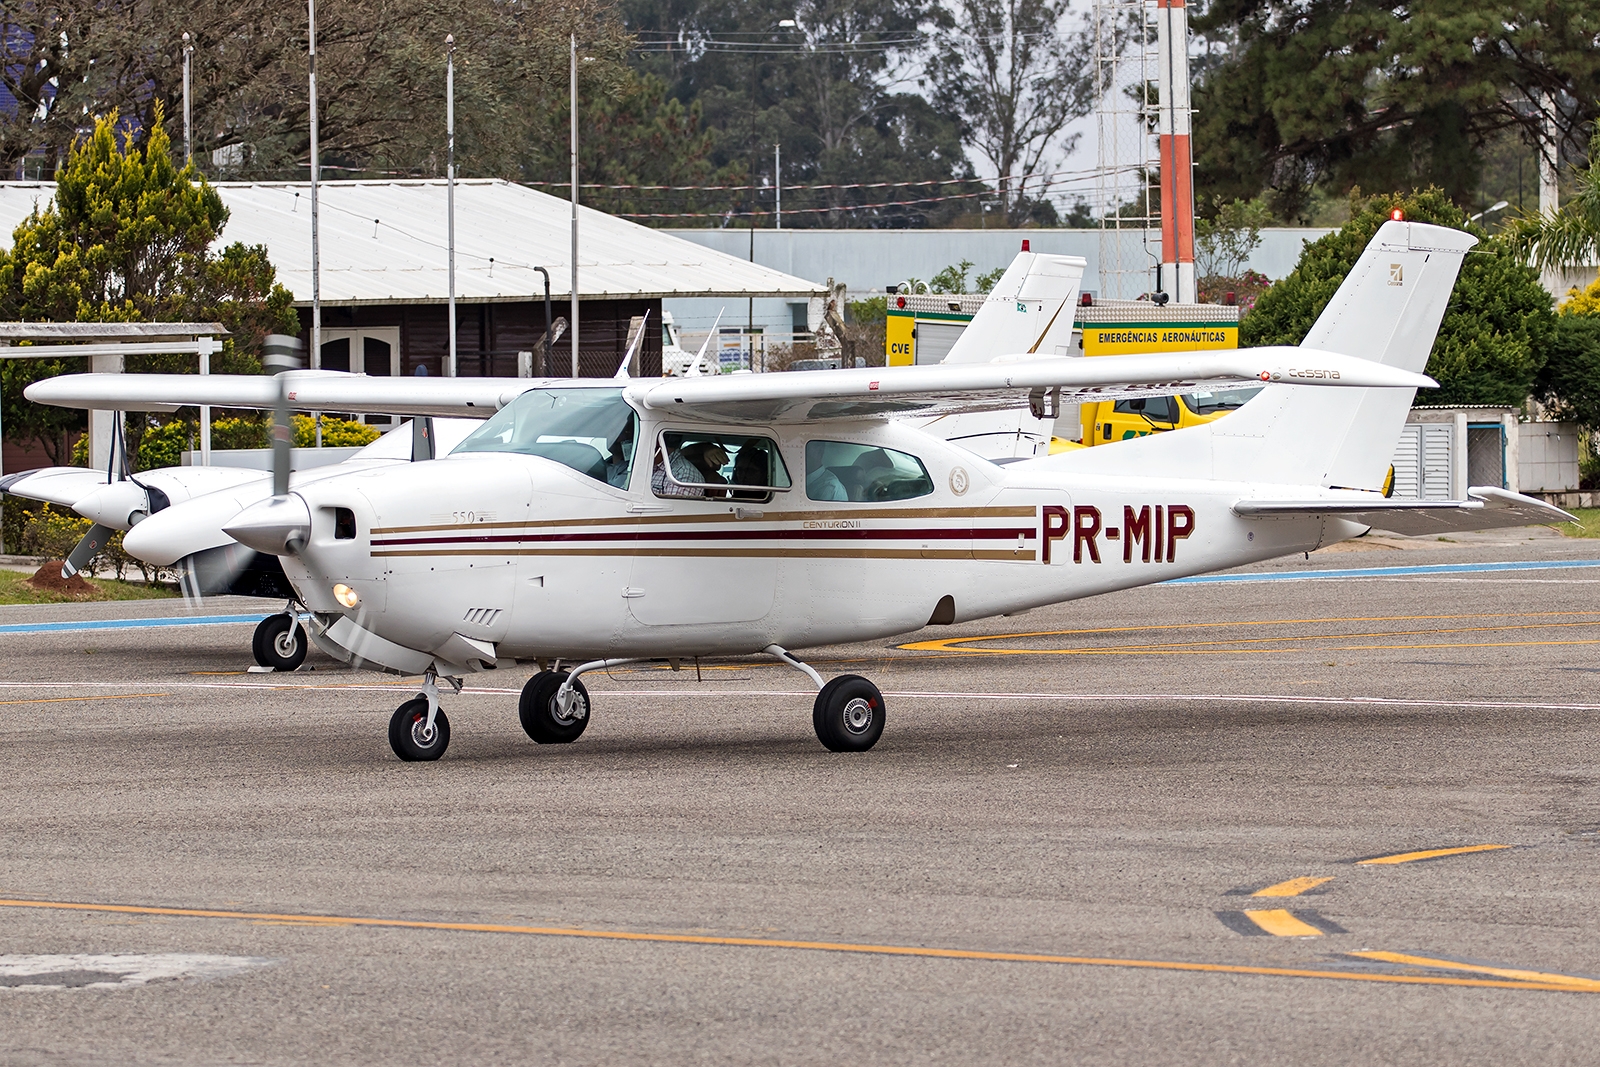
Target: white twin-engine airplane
{"points": [[180, 511], [599, 522]]}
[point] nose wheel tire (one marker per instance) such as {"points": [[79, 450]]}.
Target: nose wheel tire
{"points": [[848, 715], [279, 643], [411, 737], [542, 716]]}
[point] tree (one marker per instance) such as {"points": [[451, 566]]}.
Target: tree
{"points": [[380, 67], [1339, 91], [1224, 239], [832, 89], [1571, 236], [1016, 80], [129, 238], [1492, 342]]}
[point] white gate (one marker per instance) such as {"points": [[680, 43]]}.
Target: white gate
{"points": [[1422, 461]]}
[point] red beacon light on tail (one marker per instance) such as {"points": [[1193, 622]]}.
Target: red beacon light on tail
{"points": [[1397, 215]]}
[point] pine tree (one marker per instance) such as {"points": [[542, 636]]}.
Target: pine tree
{"points": [[129, 238]]}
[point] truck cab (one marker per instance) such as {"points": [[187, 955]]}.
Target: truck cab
{"points": [[1106, 421]]}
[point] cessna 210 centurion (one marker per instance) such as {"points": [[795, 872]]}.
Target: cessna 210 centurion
{"points": [[603, 522]]}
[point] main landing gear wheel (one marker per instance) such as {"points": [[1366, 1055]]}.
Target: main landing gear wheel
{"points": [[542, 716], [279, 643], [848, 714], [412, 739]]}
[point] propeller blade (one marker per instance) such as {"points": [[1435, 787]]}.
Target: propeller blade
{"points": [[638, 339], [694, 368], [86, 549], [280, 353]]}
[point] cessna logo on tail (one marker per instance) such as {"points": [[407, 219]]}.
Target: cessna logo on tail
{"points": [[1152, 532]]}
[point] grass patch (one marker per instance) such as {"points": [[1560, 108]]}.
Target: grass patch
{"points": [[1588, 523], [15, 590]]}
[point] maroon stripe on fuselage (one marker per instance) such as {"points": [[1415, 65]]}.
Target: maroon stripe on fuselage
{"points": [[847, 534]]}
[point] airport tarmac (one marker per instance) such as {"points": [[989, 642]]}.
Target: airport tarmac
{"points": [[1278, 818]]}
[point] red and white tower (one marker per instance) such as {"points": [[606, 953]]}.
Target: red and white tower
{"points": [[1177, 159]]}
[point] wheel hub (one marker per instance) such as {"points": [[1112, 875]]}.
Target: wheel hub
{"points": [[577, 708], [423, 734], [857, 715], [284, 643]]}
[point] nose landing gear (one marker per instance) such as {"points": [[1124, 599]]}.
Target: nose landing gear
{"points": [[411, 736], [418, 729], [279, 643]]}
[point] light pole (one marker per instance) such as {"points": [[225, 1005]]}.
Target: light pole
{"points": [[572, 318], [188, 109], [450, 187], [316, 261]]}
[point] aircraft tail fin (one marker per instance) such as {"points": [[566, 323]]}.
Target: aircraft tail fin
{"points": [[1387, 310], [1029, 310]]}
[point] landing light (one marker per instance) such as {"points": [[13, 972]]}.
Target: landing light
{"points": [[346, 596]]}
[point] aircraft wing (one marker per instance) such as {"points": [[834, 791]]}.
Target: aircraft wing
{"points": [[1006, 382], [1487, 508], [873, 392], [308, 391]]}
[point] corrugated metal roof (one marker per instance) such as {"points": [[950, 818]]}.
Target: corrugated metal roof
{"points": [[384, 242]]}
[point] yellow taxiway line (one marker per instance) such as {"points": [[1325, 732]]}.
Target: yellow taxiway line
{"points": [[1588, 985], [1280, 923], [59, 700], [1426, 854], [1546, 983], [1292, 888]]}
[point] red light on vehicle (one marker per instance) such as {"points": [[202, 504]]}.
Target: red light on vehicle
{"points": [[1086, 300], [1397, 215], [899, 301]]}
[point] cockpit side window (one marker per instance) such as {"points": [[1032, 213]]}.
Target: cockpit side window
{"points": [[699, 465], [840, 470], [593, 431]]}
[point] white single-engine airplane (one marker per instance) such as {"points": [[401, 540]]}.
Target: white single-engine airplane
{"points": [[180, 512], [601, 522]]}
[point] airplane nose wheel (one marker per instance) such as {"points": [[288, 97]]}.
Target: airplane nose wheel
{"points": [[412, 739], [546, 716], [848, 714], [279, 643]]}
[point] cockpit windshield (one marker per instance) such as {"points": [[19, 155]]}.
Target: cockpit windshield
{"points": [[1210, 402], [590, 430]]}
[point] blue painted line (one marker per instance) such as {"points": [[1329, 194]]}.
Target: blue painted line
{"points": [[127, 624], [1388, 572]]}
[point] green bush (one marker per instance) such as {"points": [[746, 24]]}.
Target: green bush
{"points": [[872, 309], [1496, 332], [336, 433]]}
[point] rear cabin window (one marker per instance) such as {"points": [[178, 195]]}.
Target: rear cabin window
{"points": [[839, 470], [718, 466]]}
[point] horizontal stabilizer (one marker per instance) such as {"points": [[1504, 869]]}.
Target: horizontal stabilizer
{"points": [[1487, 508]]}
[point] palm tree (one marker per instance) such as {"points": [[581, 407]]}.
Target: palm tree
{"points": [[1570, 237]]}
